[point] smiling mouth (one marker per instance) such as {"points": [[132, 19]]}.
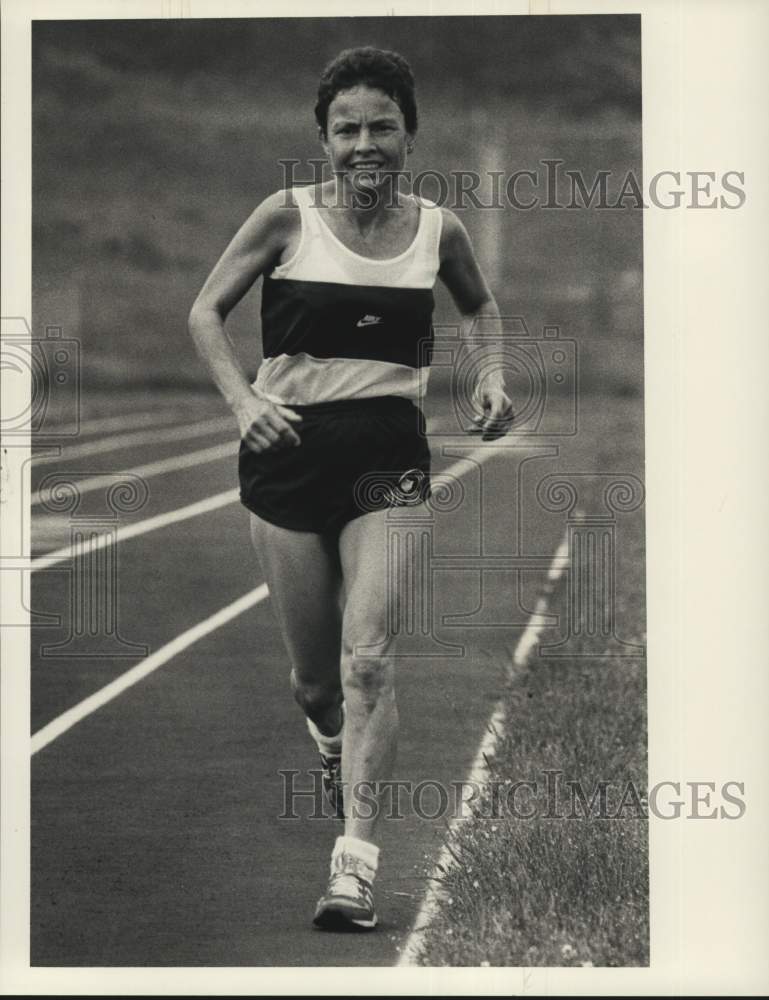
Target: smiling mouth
{"points": [[366, 166]]}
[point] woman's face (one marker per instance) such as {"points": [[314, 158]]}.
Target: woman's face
{"points": [[365, 138]]}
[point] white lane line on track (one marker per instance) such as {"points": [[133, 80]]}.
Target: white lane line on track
{"points": [[134, 530], [158, 468], [538, 619], [181, 433], [120, 422], [78, 712], [526, 643], [84, 708]]}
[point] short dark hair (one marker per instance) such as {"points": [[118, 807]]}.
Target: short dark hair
{"points": [[378, 68]]}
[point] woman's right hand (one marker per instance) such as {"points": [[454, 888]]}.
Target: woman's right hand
{"points": [[266, 426]]}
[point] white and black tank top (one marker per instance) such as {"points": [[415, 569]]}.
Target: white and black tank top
{"points": [[336, 325]]}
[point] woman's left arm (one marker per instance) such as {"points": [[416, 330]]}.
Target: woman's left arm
{"points": [[461, 274]]}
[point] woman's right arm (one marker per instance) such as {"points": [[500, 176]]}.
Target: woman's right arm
{"points": [[255, 248]]}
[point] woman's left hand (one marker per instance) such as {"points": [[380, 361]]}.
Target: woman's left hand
{"points": [[497, 415]]}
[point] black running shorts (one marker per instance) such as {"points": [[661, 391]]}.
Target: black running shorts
{"points": [[356, 456]]}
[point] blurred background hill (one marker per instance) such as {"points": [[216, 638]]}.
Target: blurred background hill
{"points": [[153, 141]]}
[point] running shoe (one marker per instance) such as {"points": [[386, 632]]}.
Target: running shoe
{"points": [[348, 903], [333, 788]]}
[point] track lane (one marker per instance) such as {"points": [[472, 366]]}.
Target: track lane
{"points": [[172, 842], [162, 589], [55, 676], [172, 852], [73, 716], [124, 459], [114, 424], [59, 683]]}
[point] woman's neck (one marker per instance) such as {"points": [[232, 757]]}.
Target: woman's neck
{"points": [[366, 204]]}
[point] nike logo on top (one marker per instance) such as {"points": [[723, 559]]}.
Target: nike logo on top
{"points": [[369, 320]]}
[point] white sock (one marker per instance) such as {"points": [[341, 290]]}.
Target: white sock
{"points": [[362, 850], [328, 745]]}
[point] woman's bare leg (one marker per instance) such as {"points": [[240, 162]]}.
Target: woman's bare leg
{"points": [[371, 726], [303, 573]]}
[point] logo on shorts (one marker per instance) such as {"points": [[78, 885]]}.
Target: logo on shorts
{"points": [[369, 320], [409, 485]]}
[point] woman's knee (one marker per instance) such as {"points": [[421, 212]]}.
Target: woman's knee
{"points": [[315, 696], [368, 672]]}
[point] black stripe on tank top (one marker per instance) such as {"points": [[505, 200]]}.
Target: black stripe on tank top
{"points": [[329, 320]]}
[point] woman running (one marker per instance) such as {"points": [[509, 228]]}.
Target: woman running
{"points": [[331, 433]]}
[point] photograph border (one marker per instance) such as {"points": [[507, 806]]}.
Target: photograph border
{"points": [[707, 693]]}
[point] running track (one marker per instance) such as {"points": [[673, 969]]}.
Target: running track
{"points": [[156, 838]]}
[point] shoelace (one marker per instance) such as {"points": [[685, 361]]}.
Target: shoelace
{"points": [[352, 887]]}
